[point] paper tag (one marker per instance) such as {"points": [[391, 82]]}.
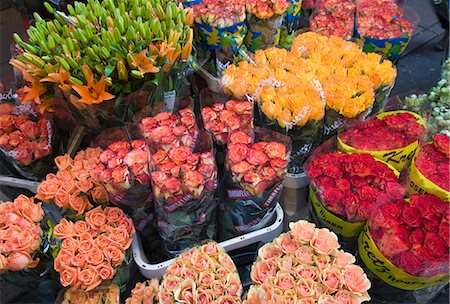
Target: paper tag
{"points": [[388, 272], [169, 100], [347, 229]]}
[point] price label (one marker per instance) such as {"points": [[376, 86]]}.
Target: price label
{"points": [[169, 100]]}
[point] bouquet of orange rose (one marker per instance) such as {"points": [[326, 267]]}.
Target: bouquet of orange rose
{"points": [[108, 295], [253, 180], [25, 257], [305, 266], [74, 187], [94, 251], [184, 182], [204, 274], [26, 139], [144, 293]]}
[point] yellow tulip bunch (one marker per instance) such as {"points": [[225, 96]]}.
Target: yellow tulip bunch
{"points": [[294, 87]]}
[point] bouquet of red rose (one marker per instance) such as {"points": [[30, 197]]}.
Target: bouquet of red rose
{"points": [[204, 274], [346, 188], [26, 139], [183, 182], [410, 238], [124, 172], [221, 119], [334, 18], [430, 169], [94, 251], [392, 137], [25, 257], [166, 130], [304, 266], [253, 180]]}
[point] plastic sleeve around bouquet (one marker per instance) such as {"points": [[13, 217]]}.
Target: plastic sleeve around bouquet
{"points": [[249, 205], [399, 158], [31, 156], [262, 32], [291, 23], [184, 183], [216, 38], [405, 249], [381, 98], [343, 202], [389, 48]]}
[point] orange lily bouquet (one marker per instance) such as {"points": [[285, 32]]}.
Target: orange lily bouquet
{"points": [[93, 252], [74, 187], [104, 50]]}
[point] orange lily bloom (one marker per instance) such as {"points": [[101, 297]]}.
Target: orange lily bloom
{"points": [[33, 92], [62, 78], [144, 64], [93, 92]]}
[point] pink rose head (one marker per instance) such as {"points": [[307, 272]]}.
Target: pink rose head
{"points": [[218, 288], [306, 272], [302, 231], [269, 252], [331, 278], [171, 282], [262, 271], [19, 260], [233, 286], [286, 243], [305, 288], [284, 281], [286, 263], [304, 254], [203, 296], [356, 280], [325, 241], [185, 292], [326, 299], [343, 259]]}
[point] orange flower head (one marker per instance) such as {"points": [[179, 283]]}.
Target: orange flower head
{"points": [[93, 92], [144, 64]]}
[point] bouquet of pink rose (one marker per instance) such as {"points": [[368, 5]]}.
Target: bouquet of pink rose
{"points": [[410, 238], [144, 293], [93, 251], [26, 139], [124, 172], [253, 180], [204, 274], [166, 130], [304, 266], [221, 119], [183, 182], [25, 259]]}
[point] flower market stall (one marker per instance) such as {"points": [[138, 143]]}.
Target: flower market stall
{"points": [[155, 143]]}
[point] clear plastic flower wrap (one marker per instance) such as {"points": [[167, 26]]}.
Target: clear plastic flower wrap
{"points": [[203, 274], [406, 242], [27, 140], [291, 23], [392, 137], [345, 188], [184, 182], [102, 294], [26, 247], [306, 266], [255, 168]]}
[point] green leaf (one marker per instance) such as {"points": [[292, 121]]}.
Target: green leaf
{"points": [[109, 69]]}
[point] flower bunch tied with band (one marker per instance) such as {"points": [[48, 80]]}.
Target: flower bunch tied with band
{"points": [[305, 266], [204, 274], [93, 250], [103, 50], [265, 9]]}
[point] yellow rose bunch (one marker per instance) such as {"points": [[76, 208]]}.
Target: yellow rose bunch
{"points": [[293, 87]]}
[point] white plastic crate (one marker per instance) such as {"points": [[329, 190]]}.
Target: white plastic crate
{"points": [[262, 235]]}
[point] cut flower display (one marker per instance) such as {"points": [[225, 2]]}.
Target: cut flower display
{"points": [[167, 130], [204, 274], [75, 186], [334, 18], [108, 295], [353, 185], [265, 9], [93, 249], [222, 119], [219, 13], [144, 293], [305, 265], [256, 166]]}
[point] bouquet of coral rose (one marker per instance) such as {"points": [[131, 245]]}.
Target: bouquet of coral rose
{"points": [[26, 139], [74, 187], [106, 295], [253, 180], [25, 257], [305, 266], [346, 188], [411, 239], [144, 293], [166, 130], [334, 18], [221, 119], [124, 172], [94, 251], [264, 19], [204, 274], [430, 169], [392, 137], [183, 183]]}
